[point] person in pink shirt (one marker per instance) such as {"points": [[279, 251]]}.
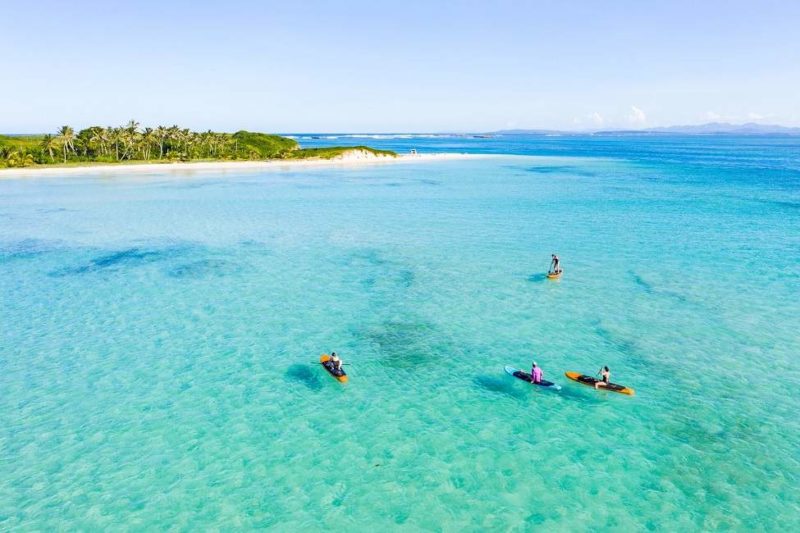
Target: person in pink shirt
{"points": [[536, 374]]}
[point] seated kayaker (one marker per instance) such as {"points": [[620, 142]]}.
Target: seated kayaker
{"points": [[605, 378], [536, 374], [336, 363]]}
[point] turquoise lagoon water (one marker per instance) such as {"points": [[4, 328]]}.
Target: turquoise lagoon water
{"points": [[159, 335]]}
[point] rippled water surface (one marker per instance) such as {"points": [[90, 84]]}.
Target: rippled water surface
{"points": [[159, 335]]}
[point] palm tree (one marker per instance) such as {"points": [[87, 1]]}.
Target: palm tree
{"points": [[49, 143], [148, 137], [100, 138], [204, 140], [186, 137], [129, 141], [66, 136], [174, 137], [115, 137], [132, 126], [84, 141], [130, 138], [217, 142], [19, 159], [161, 135]]}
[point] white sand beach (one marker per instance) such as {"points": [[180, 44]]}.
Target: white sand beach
{"points": [[350, 158]]}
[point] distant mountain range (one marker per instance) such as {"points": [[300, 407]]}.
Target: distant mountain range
{"points": [[712, 128]]}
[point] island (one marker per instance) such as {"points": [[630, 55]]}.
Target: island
{"points": [[132, 143]]}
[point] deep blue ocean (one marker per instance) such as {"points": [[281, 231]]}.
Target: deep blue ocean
{"points": [[159, 336]]}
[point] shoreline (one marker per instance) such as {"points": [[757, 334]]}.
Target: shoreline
{"points": [[149, 167]]}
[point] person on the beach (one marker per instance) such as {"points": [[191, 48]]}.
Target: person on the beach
{"points": [[555, 264], [336, 361], [536, 374], [605, 378]]}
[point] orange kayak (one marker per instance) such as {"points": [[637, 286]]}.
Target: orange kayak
{"points": [[340, 375], [588, 380], [555, 275]]}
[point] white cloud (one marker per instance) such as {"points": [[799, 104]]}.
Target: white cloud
{"points": [[711, 115], [637, 117], [597, 119]]}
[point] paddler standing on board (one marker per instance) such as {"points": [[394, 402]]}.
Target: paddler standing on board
{"points": [[555, 264]]}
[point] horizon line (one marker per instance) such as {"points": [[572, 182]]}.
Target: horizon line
{"points": [[508, 130]]}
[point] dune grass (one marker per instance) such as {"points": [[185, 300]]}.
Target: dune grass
{"points": [[330, 152]]}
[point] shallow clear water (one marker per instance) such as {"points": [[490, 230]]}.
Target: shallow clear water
{"points": [[159, 334]]}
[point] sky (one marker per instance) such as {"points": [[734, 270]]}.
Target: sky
{"points": [[410, 66]]}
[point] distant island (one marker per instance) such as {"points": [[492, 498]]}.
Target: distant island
{"points": [[724, 128], [712, 128], [132, 144]]}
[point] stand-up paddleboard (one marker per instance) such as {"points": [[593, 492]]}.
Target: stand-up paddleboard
{"points": [[555, 275], [589, 380], [524, 376], [340, 375]]}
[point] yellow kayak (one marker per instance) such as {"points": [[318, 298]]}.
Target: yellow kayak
{"points": [[588, 380], [555, 275]]}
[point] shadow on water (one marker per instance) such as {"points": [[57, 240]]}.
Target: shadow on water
{"points": [[409, 343], [365, 256], [560, 169], [256, 245], [519, 390], [377, 271], [537, 278], [650, 289], [646, 287], [405, 277], [203, 268], [24, 249], [625, 346], [580, 393], [131, 257], [499, 385], [304, 375], [635, 359]]}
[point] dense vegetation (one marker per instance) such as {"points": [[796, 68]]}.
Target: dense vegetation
{"points": [[133, 143], [333, 151]]}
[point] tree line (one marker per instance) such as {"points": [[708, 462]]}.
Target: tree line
{"points": [[132, 142]]}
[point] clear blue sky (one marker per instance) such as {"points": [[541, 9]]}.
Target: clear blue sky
{"points": [[398, 66]]}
